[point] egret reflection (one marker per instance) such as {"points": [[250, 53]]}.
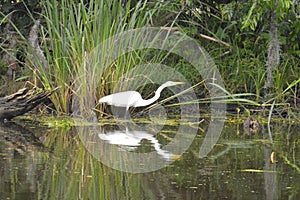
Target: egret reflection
{"points": [[130, 140]]}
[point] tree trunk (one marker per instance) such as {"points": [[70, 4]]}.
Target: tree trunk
{"points": [[273, 51]]}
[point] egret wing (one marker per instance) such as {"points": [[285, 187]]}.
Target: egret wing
{"points": [[122, 99]]}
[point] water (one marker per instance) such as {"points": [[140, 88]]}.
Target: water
{"points": [[240, 166]]}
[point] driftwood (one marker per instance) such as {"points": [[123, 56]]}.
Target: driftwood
{"points": [[21, 102]]}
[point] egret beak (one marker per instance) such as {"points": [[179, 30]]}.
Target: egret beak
{"points": [[176, 157], [179, 83]]}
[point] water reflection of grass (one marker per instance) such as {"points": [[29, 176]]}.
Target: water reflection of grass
{"points": [[74, 174]]}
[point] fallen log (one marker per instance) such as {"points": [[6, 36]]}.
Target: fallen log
{"points": [[21, 102]]}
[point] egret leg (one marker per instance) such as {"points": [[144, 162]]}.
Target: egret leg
{"points": [[126, 118], [127, 115]]}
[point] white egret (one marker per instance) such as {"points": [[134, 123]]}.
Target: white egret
{"points": [[133, 98]]}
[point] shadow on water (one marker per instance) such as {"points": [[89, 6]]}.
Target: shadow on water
{"points": [[54, 164]]}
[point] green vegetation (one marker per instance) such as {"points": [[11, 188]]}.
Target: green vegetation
{"points": [[253, 43]]}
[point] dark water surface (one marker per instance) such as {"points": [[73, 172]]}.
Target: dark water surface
{"points": [[54, 164]]}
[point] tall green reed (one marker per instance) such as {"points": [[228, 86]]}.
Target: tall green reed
{"points": [[72, 30]]}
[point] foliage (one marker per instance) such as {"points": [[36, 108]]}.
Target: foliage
{"points": [[73, 30], [260, 9], [234, 33], [243, 64], [16, 12]]}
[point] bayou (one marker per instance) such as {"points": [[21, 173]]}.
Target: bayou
{"points": [[222, 80]]}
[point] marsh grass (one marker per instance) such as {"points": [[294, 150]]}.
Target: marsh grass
{"points": [[74, 29]]}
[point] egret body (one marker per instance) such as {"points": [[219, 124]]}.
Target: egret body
{"points": [[133, 98]]}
